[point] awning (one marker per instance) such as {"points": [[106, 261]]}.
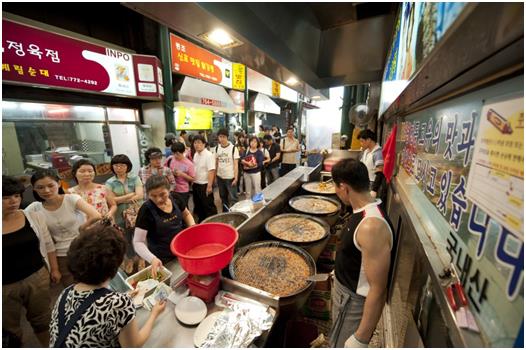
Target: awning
{"points": [[201, 94], [263, 103]]}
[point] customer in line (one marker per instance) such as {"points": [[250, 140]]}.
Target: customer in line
{"points": [[202, 188], [290, 147], [96, 195], [128, 191], [362, 261], [160, 219], [183, 170], [108, 319], [169, 140], [227, 163], [28, 261], [252, 164], [266, 160], [374, 161], [154, 166], [62, 213], [272, 168], [241, 146]]}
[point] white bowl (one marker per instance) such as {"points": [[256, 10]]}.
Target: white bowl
{"points": [[190, 310]]}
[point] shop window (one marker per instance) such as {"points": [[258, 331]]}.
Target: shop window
{"points": [[123, 115], [38, 111]]}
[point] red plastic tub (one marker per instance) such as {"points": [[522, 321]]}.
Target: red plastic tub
{"points": [[205, 248], [204, 287]]}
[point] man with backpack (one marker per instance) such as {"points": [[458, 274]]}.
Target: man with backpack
{"points": [[227, 164]]}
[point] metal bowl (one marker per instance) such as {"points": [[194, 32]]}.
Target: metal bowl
{"points": [[233, 219], [315, 247], [290, 298], [322, 198], [305, 186]]}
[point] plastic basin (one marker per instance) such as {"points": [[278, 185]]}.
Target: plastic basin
{"points": [[205, 248]]}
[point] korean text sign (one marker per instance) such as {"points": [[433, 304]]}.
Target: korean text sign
{"points": [[34, 56], [438, 151], [189, 59]]}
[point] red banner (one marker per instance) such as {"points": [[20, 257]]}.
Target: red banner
{"points": [[34, 56]]}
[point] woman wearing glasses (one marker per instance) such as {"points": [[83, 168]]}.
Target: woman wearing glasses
{"points": [[96, 195], [127, 190], [62, 213]]}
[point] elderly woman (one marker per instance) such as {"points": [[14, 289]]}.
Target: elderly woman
{"points": [[154, 166], [99, 318], [96, 195], [62, 214], [28, 259], [159, 220]]}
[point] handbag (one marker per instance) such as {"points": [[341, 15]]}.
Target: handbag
{"points": [[130, 214]]}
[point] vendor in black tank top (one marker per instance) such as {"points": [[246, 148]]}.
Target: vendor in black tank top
{"points": [[363, 259], [159, 220]]}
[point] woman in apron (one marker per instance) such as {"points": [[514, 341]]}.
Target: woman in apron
{"points": [[159, 219]]}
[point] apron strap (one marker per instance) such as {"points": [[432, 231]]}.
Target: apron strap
{"points": [[65, 328]]}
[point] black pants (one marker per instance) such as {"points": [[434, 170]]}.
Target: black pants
{"points": [[185, 196], [285, 168], [203, 204]]}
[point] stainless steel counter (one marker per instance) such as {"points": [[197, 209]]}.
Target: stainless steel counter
{"points": [[168, 332]]}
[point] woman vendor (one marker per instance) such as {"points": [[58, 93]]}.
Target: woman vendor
{"points": [[159, 219]]}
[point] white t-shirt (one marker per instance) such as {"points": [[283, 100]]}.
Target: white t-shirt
{"points": [[372, 159], [203, 162], [63, 223], [225, 161]]}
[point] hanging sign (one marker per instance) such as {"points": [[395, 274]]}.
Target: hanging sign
{"points": [[188, 118], [238, 80], [276, 89], [192, 60], [37, 57]]}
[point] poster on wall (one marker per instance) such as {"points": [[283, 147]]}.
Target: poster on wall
{"points": [[188, 118], [419, 27], [438, 152], [498, 164]]}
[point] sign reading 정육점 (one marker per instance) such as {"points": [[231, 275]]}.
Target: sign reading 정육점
{"points": [[35, 56]]}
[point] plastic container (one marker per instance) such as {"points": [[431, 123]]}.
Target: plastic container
{"points": [[204, 287], [144, 274], [205, 248]]}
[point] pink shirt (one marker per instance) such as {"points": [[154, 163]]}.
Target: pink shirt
{"points": [[186, 166]]}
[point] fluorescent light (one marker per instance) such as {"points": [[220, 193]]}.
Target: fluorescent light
{"points": [[9, 105], [316, 97], [85, 109], [291, 81], [220, 37], [31, 106], [58, 110]]}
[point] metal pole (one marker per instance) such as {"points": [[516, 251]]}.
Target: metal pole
{"points": [[168, 103]]}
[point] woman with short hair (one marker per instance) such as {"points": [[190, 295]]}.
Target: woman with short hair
{"points": [[160, 218], [98, 317], [96, 195], [29, 260], [252, 164], [62, 213]]}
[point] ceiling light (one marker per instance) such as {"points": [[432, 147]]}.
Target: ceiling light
{"points": [[31, 106], [9, 105], [58, 110], [291, 81], [316, 97], [220, 38]]}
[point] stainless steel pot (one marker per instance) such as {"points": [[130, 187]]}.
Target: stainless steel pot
{"points": [[314, 248], [329, 218], [310, 188], [288, 304], [234, 219]]}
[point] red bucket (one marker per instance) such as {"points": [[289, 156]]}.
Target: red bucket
{"points": [[205, 248]]}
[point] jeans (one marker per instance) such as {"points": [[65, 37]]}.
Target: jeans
{"points": [[347, 311], [227, 192], [272, 174]]}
